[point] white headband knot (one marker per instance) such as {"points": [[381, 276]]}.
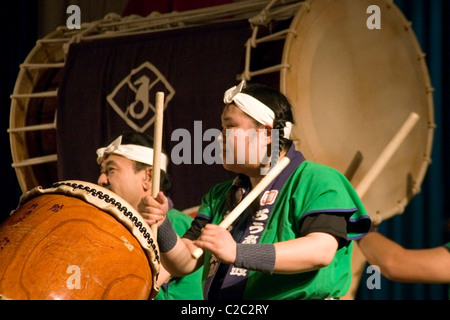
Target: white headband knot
{"points": [[253, 107], [131, 151]]}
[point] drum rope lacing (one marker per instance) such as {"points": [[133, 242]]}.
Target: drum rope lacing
{"points": [[261, 20], [110, 200]]}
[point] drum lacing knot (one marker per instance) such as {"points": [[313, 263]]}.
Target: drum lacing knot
{"points": [[260, 19]]}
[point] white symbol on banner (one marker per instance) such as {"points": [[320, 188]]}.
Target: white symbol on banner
{"points": [[142, 84], [141, 98]]}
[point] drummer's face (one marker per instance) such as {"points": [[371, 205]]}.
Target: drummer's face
{"points": [[247, 139], [117, 174]]}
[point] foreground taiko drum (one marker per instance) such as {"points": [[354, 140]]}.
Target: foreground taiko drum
{"points": [[76, 241]]}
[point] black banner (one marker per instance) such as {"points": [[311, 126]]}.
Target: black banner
{"points": [[109, 86]]}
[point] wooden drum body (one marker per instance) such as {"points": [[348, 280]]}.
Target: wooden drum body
{"points": [[76, 241]]}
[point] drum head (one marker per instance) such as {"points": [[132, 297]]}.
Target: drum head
{"points": [[352, 88]]}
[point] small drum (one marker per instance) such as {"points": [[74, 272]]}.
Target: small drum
{"points": [[76, 241]]}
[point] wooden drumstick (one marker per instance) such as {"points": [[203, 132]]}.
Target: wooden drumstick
{"points": [[358, 259], [386, 154], [237, 211], [157, 147]]}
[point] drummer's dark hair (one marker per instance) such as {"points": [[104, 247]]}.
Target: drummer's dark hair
{"points": [[143, 139], [279, 104]]}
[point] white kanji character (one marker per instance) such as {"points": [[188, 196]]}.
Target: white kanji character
{"points": [[257, 227], [238, 272], [251, 239]]}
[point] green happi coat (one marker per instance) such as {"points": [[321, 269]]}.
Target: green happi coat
{"points": [[311, 188]]}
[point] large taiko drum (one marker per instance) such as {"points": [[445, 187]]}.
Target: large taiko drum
{"points": [[352, 87], [76, 241]]}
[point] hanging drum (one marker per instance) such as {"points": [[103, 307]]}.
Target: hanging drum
{"points": [[33, 113], [76, 241], [352, 88]]}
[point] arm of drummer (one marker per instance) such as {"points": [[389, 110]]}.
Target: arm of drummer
{"points": [[163, 277], [178, 261], [311, 252], [430, 265]]}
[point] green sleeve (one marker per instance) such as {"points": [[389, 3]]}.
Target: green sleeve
{"points": [[180, 221], [326, 190]]}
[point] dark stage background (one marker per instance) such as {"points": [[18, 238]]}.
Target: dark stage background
{"points": [[425, 221]]}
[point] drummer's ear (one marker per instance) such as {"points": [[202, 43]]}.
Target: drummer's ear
{"points": [[148, 178], [148, 174]]}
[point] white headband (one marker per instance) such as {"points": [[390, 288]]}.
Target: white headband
{"points": [[131, 151], [253, 107]]}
